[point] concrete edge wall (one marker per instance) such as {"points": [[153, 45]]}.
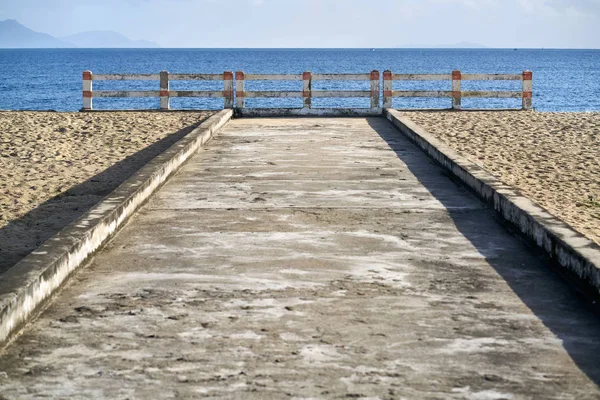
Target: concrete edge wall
{"points": [[26, 287], [312, 112], [575, 254]]}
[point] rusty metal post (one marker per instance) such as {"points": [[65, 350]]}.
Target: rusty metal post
{"points": [[87, 90], [307, 89], [375, 89], [527, 90], [165, 102], [228, 89], [456, 90], [240, 94], [388, 95]]}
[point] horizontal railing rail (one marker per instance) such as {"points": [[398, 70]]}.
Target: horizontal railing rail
{"points": [[236, 91]]}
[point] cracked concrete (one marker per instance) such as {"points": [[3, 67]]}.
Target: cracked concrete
{"points": [[310, 258]]}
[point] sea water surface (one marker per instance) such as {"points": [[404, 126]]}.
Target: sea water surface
{"points": [[50, 79]]}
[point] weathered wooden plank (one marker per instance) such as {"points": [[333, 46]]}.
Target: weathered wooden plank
{"points": [[272, 94], [125, 93], [240, 93], [340, 93], [375, 89], [197, 93], [422, 77], [492, 77], [341, 77], [388, 83], [165, 102], [456, 90], [421, 93], [273, 77], [87, 90], [196, 77], [126, 77], [492, 94], [527, 93]]}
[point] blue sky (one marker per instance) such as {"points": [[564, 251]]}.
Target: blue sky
{"points": [[321, 23]]}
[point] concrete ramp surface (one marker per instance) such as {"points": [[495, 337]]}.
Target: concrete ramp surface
{"points": [[310, 258]]}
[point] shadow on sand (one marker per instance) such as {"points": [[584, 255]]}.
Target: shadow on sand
{"points": [[554, 302], [23, 235]]}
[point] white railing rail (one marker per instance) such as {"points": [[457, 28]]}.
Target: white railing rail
{"points": [[457, 94], [238, 90]]}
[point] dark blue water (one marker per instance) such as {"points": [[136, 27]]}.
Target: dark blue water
{"points": [[564, 80]]}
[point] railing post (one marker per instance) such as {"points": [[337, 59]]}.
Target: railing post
{"points": [[388, 95], [527, 90], [87, 90], [307, 89], [375, 89], [228, 89], [165, 102], [456, 90], [240, 94]]}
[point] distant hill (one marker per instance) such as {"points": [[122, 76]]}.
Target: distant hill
{"points": [[106, 39], [14, 35]]}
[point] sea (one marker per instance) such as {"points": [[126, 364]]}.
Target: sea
{"points": [[50, 79]]}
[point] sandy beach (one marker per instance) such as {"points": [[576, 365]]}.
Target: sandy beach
{"points": [[552, 158], [55, 166]]}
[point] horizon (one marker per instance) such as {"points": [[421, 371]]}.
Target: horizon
{"points": [[322, 24]]}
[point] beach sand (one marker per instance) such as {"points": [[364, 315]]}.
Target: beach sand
{"points": [[56, 166], [552, 158]]}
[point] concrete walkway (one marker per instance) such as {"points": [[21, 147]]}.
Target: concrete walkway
{"points": [[310, 258]]}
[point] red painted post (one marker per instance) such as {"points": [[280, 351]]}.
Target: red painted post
{"points": [[375, 89], [239, 89], [456, 90], [87, 90], [228, 89], [527, 90], [388, 94], [307, 89]]}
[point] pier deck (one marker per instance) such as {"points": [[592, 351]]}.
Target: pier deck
{"points": [[310, 258]]}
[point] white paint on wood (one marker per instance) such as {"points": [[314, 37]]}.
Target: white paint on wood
{"points": [[126, 77], [491, 77], [125, 93], [216, 94], [228, 89], [307, 90], [388, 88], [240, 94], [421, 93], [273, 94], [273, 77], [196, 77], [422, 77], [341, 93], [341, 77], [165, 102], [492, 94]]}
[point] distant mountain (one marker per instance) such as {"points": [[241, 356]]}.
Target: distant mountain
{"points": [[15, 35], [106, 39]]}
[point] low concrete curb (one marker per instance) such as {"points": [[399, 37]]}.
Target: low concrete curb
{"points": [[577, 256], [25, 287], [308, 112]]}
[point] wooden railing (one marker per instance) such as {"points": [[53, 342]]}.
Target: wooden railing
{"points": [[307, 94], [457, 94], [164, 93]]}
